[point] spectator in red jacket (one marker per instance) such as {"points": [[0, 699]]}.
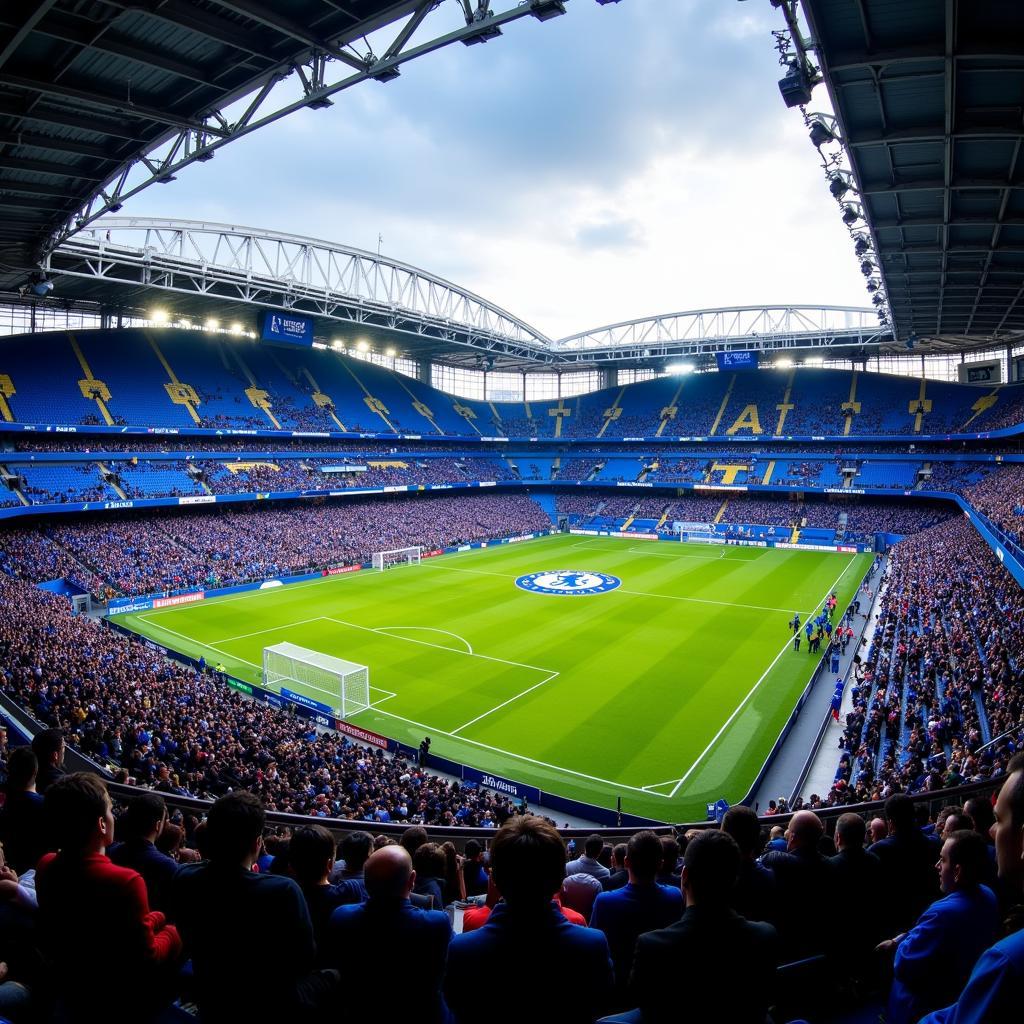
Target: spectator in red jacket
{"points": [[94, 917]]}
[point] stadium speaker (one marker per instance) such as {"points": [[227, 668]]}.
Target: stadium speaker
{"points": [[795, 88]]}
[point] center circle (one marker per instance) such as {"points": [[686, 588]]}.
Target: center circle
{"points": [[568, 582]]}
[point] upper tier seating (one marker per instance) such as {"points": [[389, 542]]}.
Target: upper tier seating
{"points": [[171, 378]]}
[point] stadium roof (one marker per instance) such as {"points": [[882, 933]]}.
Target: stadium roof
{"points": [[194, 271], [929, 96], [99, 100]]}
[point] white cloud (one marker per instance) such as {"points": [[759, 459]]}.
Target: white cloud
{"points": [[604, 166]]}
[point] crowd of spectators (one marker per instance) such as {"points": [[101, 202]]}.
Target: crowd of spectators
{"points": [[942, 675], [186, 549], [1000, 498], [916, 917], [160, 724]]}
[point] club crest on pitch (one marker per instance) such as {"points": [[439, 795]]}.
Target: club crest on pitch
{"points": [[568, 582]]}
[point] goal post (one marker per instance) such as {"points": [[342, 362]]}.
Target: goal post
{"points": [[399, 556], [317, 681]]}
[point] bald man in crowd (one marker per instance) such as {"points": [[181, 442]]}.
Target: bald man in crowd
{"points": [[877, 830], [806, 882], [362, 941]]}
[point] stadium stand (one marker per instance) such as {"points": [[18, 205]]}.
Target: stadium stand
{"points": [[179, 378]]}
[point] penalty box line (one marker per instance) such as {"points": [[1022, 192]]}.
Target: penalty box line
{"points": [[518, 757], [739, 707], [227, 654], [430, 728]]}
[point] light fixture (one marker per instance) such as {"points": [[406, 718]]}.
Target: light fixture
{"points": [[158, 316], [821, 132], [796, 86], [236, 328], [861, 244], [784, 363], [838, 186], [867, 268], [363, 345], [545, 10], [679, 368], [211, 324], [850, 215], [872, 285], [390, 353]]}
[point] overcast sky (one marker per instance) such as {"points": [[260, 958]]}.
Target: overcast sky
{"points": [[621, 161]]}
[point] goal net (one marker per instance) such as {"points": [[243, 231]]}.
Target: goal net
{"points": [[400, 556], [317, 681]]}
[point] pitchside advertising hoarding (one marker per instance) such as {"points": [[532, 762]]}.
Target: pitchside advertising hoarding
{"points": [[286, 328]]}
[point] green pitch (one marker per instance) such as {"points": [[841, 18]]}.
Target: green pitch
{"points": [[668, 692]]}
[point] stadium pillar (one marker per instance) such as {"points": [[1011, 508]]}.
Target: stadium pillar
{"points": [[608, 379], [423, 371]]}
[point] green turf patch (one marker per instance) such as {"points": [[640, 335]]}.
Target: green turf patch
{"points": [[668, 691]]}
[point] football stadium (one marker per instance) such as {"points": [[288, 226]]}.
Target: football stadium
{"points": [[352, 626]]}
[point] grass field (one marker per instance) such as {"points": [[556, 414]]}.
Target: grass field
{"points": [[668, 692]]}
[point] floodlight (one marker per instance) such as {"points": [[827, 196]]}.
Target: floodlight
{"points": [[867, 268], [679, 368], [236, 328], [861, 245], [872, 285], [390, 353], [795, 87], [545, 10], [820, 132], [850, 215], [362, 345], [211, 324], [783, 364], [158, 316], [838, 186]]}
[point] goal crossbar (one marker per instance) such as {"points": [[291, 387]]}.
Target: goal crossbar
{"points": [[340, 685], [397, 556]]}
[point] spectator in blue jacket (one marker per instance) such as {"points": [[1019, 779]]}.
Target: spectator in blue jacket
{"points": [[361, 938], [527, 933], [640, 906], [141, 825], [935, 958], [994, 993]]}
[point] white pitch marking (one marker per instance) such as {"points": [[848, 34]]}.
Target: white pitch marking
{"points": [[704, 600], [689, 554], [504, 703], [198, 643], [751, 692], [271, 629], [475, 572], [519, 757], [425, 643], [428, 629]]}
